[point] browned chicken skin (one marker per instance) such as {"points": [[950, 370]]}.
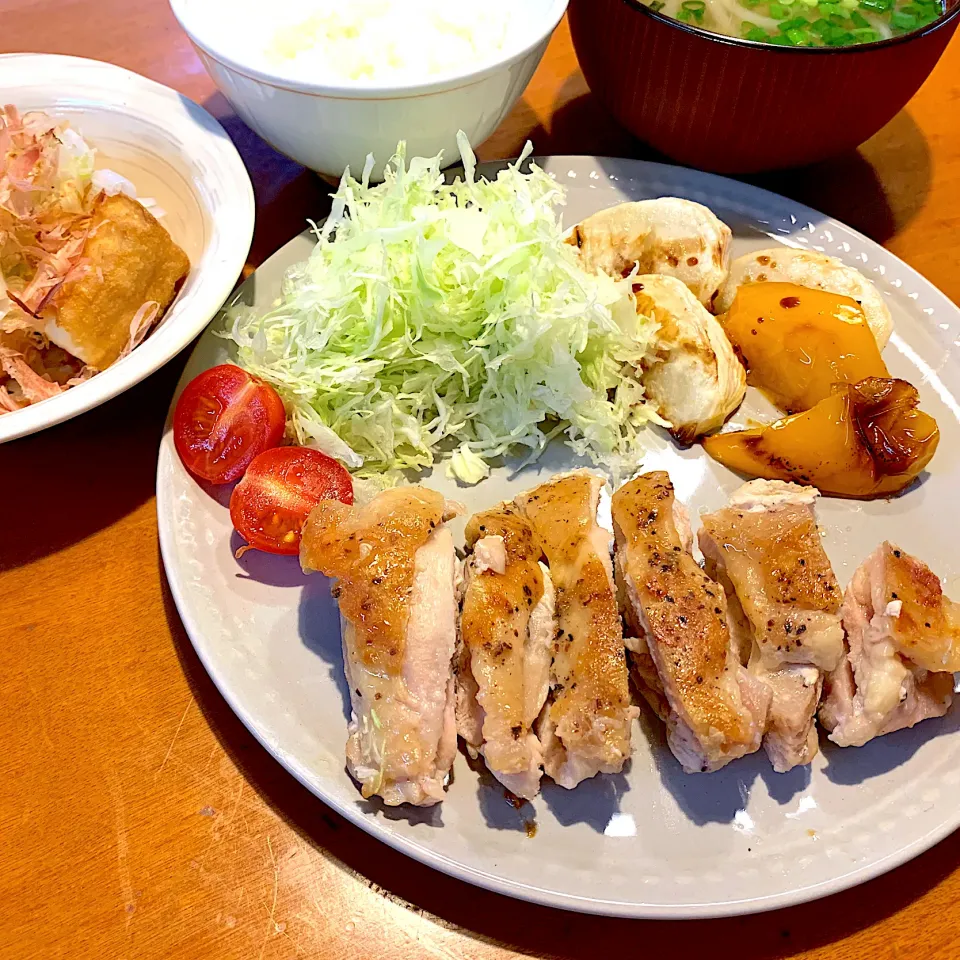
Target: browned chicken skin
{"points": [[507, 629], [395, 567], [903, 645], [728, 663], [714, 709], [585, 727], [372, 551], [765, 549]]}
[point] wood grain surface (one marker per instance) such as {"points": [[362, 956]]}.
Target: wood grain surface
{"points": [[138, 818]]}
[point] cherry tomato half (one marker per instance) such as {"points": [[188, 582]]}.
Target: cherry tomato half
{"points": [[224, 418], [269, 506]]}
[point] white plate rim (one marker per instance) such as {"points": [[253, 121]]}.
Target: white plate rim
{"points": [[235, 235], [706, 183]]}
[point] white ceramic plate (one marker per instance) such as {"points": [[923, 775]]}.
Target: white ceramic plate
{"points": [[653, 842], [174, 152]]}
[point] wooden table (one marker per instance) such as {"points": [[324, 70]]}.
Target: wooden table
{"points": [[138, 818]]}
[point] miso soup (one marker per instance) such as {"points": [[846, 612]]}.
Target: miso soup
{"points": [[804, 23]]}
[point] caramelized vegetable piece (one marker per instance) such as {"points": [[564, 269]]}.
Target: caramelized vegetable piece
{"points": [[797, 342], [864, 440]]}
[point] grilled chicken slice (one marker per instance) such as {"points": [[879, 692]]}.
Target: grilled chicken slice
{"points": [[695, 379], [395, 567], [764, 547], [678, 238], [507, 629], [585, 725], [903, 645], [714, 709], [808, 268]]}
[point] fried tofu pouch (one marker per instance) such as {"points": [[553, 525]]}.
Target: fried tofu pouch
{"points": [[131, 261]]}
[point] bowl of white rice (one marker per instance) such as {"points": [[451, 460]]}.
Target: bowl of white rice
{"points": [[328, 82]]}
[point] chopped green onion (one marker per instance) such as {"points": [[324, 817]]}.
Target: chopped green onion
{"points": [[922, 13], [828, 31], [833, 23], [657, 5], [755, 33], [902, 21]]}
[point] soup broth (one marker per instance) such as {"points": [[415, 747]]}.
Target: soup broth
{"points": [[804, 23]]}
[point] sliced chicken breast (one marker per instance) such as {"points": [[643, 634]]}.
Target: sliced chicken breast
{"points": [[764, 547], [903, 645], [715, 710], [694, 380], [507, 630], [395, 570], [586, 724], [671, 236], [808, 268]]}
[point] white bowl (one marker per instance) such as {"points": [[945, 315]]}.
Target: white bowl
{"points": [[329, 126], [174, 152]]}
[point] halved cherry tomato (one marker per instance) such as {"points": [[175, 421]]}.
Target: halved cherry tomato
{"points": [[269, 506], [224, 418]]}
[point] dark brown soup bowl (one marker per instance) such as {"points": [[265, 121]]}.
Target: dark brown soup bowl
{"points": [[737, 106]]}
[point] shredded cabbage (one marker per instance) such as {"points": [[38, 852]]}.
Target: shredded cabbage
{"points": [[450, 317]]}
